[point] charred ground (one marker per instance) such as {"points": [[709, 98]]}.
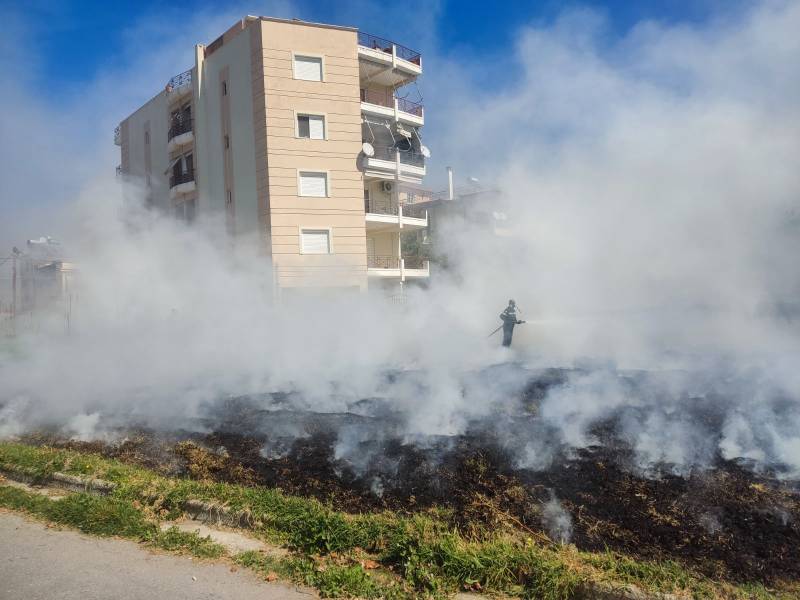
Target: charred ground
{"points": [[727, 520]]}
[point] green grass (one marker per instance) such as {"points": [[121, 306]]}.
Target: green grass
{"points": [[332, 580], [422, 554], [107, 517]]}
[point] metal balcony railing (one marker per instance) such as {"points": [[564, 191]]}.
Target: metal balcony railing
{"points": [[384, 152], [386, 99], [117, 136], [407, 157], [376, 43], [179, 126], [376, 97], [179, 178], [383, 262], [180, 80], [407, 106], [413, 211], [415, 262], [413, 158], [380, 207]]}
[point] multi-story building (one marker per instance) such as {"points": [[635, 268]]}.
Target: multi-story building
{"points": [[301, 136]]}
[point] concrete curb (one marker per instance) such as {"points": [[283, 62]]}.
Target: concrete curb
{"points": [[198, 510], [72, 483]]}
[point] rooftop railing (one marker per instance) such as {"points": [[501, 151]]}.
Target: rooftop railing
{"points": [[179, 126], [180, 80], [179, 178], [376, 43]]}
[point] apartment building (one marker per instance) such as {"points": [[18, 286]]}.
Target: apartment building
{"points": [[302, 136]]}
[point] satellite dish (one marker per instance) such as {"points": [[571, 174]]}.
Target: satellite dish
{"points": [[426, 152], [367, 149]]}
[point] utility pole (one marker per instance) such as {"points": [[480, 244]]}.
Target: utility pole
{"points": [[14, 293]]}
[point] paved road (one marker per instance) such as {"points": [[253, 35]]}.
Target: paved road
{"points": [[37, 563]]}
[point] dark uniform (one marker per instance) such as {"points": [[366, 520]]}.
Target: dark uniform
{"points": [[509, 318]]}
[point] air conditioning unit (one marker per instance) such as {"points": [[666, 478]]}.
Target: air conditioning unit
{"points": [[386, 186]]}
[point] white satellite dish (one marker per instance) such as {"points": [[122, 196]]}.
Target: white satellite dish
{"points": [[426, 152], [367, 149]]}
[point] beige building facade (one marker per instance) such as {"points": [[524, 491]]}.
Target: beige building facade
{"points": [[302, 138]]}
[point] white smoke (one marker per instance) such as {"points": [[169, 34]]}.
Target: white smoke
{"points": [[652, 198], [556, 520]]}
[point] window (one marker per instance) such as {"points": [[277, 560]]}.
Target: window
{"points": [[308, 68], [315, 241], [224, 88], [311, 126], [227, 142], [313, 184]]}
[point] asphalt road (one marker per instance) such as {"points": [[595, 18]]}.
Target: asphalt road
{"points": [[37, 563]]}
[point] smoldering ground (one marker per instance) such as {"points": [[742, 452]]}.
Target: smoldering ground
{"points": [[653, 230]]}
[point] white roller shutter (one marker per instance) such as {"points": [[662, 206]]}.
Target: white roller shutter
{"points": [[315, 241], [313, 184], [316, 127], [308, 68]]}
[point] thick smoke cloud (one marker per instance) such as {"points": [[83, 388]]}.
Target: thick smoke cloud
{"points": [[652, 195]]}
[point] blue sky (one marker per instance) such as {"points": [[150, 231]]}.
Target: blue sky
{"points": [[73, 39]]}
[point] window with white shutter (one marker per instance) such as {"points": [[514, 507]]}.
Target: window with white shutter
{"points": [[308, 68], [313, 184], [311, 126], [315, 241]]}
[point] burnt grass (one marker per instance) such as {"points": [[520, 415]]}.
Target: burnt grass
{"points": [[726, 521]]}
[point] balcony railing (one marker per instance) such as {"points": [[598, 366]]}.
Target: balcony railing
{"points": [[376, 97], [179, 80], [179, 178], [415, 262], [179, 126], [407, 157], [407, 106], [380, 207], [376, 43], [383, 262], [413, 211]]}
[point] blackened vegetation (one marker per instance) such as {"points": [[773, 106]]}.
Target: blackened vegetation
{"points": [[725, 519]]}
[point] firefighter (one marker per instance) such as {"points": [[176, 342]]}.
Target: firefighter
{"points": [[509, 318]]}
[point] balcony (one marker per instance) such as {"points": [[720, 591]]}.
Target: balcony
{"points": [[181, 183], [383, 62], [180, 133], [117, 136], [388, 162], [384, 104], [395, 267], [386, 215], [179, 86]]}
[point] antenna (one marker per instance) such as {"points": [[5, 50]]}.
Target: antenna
{"points": [[367, 149], [426, 152]]}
